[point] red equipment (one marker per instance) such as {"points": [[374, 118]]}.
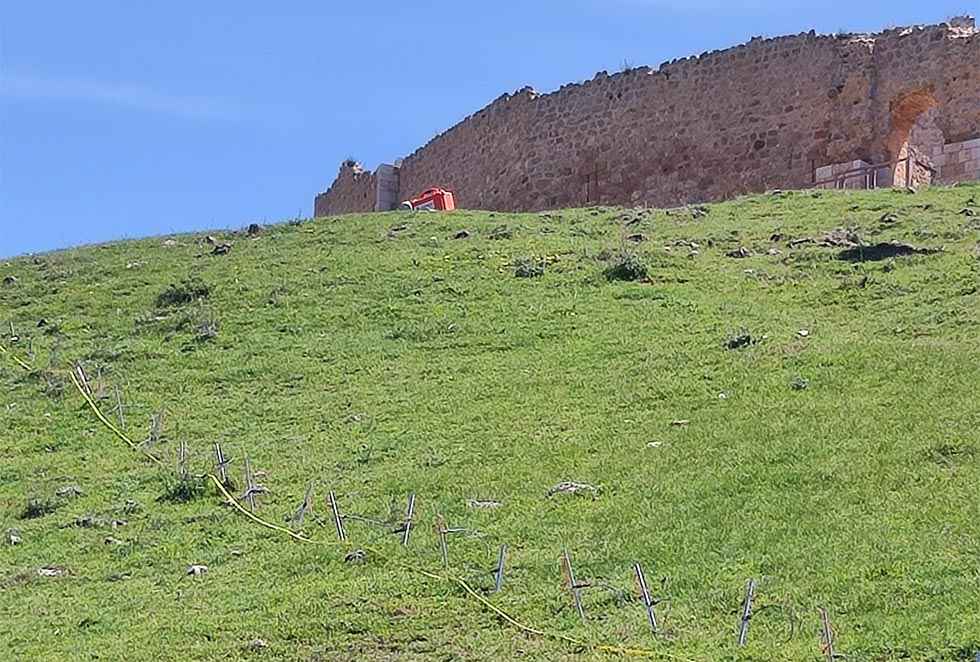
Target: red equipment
{"points": [[433, 198]]}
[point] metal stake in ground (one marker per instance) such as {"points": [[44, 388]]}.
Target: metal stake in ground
{"points": [[82, 378], [743, 628], [443, 542], [827, 635], [641, 582], [306, 507], [119, 409], [409, 514], [183, 472], [498, 575], [221, 464], [156, 430], [251, 489], [573, 586], [338, 521]]}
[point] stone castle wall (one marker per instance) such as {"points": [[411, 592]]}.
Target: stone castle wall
{"points": [[763, 115], [354, 190]]}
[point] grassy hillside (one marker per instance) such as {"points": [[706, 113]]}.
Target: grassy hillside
{"points": [[802, 413]]}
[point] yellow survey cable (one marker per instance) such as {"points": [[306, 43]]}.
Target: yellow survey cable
{"points": [[459, 581], [109, 424], [19, 361]]}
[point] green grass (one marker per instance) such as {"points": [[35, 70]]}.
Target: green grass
{"points": [[839, 469]]}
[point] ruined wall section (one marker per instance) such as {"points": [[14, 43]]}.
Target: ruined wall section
{"points": [[762, 115], [354, 190], [929, 67]]}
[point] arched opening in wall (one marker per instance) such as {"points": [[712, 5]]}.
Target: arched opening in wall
{"points": [[914, 139]]}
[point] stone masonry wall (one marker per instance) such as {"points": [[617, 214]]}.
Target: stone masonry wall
{"points": [[354, 190], [763, 115], [959, 162]]}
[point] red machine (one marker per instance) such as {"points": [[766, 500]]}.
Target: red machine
{"points": [[433, 198]]}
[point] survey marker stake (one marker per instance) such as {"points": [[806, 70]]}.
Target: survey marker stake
{"points": [[443, 542], [82, 377], [156, 430], [305, 507], [409, 514], [641, 582], [119, 408], [338, 520], [251, 489], [575, 588], [221, 463], [182, 471], [743, 628], [498, 575], [827, 635]]}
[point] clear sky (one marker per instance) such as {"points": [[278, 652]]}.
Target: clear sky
{"points": [[129, 118]]}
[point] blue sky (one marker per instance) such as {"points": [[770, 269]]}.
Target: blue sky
{"points": [[125, 119]]}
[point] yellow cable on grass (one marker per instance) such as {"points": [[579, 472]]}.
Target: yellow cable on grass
{"points": [[459, 581], [109, 424], [19, 361]]}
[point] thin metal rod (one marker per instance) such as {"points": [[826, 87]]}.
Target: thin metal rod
{"points": [[443, 542], [119, 409], [409, 514], [82, 377], [305, 507], [249, 485], [573, 586], [645, 596], [743, 628], [338, 521], [498, 575], [221, 462], [182, 460], [827, 634]]}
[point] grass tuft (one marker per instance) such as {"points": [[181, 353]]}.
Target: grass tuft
{"points": [[186, 291], [38, 507], [624, 265]]}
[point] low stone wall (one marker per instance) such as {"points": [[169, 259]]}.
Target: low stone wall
{"points": [[829, 176], [958, 162]]}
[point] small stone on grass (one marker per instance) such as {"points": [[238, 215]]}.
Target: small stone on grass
{"points": [[52, 571], [570, 487], [69, 492], [475, 503]]}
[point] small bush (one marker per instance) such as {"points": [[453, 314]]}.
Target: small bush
{"points": [[184, 292], [52, 382], [38, 507], [183, 490], [501, 232], [528, 267], [625, 266]]}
